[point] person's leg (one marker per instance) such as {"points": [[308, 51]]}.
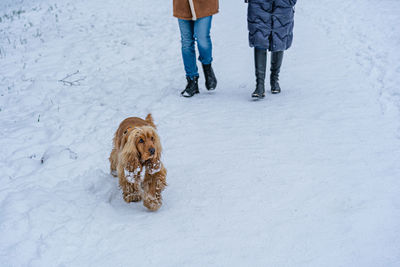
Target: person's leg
{"points": [[260, 63], [276, 62], [188, 49], [202, 29], [189, 57]]}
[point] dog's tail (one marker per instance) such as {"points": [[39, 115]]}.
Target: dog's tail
{"points": [[149, 119]]}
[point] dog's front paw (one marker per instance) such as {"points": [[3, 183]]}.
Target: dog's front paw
{"points": [[152, 203], [132, 197]]}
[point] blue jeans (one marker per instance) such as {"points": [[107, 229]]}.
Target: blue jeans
{"points": [[191, 31]]}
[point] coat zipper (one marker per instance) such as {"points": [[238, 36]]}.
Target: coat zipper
{"points": [[191, 4]]}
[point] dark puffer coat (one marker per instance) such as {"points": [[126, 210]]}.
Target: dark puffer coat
{"points": [[270, 23]]}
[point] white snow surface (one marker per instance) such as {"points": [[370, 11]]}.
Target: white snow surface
{"points": [[310, 177]]}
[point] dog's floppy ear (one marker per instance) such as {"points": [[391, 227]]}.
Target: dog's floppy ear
{"points": [[149, 119], [129, 154], [123, 139]]}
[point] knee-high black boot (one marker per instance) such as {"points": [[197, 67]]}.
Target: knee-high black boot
{"points": [[276, 62], [260, 61]]}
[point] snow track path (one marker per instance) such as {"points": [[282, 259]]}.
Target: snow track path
{"points": [[309, 177]]}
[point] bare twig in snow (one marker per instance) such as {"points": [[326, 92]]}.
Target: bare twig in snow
{"points": [[71, 82]]}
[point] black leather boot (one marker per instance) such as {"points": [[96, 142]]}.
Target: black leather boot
{"points": [[192, 87], [260, 61], [276, 62], [211, 81]]}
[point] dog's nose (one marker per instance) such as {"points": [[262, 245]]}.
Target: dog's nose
{"points": [[152, 150]]}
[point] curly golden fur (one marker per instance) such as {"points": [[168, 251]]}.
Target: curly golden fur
{"points": [[136, 160]]}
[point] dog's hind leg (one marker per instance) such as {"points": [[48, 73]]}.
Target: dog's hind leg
{"points": [[113, 162]]}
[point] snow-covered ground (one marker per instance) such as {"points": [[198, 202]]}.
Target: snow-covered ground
{"points": [[310, 177]]}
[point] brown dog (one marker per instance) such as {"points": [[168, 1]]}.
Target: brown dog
{"points": [[135, 159]]}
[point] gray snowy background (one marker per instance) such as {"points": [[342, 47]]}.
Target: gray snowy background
{"points": [[309, 177]]}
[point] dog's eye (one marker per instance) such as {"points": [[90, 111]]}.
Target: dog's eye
{"points": [[141, 140], [152, 138]]}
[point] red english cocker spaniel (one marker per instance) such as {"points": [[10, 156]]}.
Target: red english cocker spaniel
{"points": [[135, 159]]}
